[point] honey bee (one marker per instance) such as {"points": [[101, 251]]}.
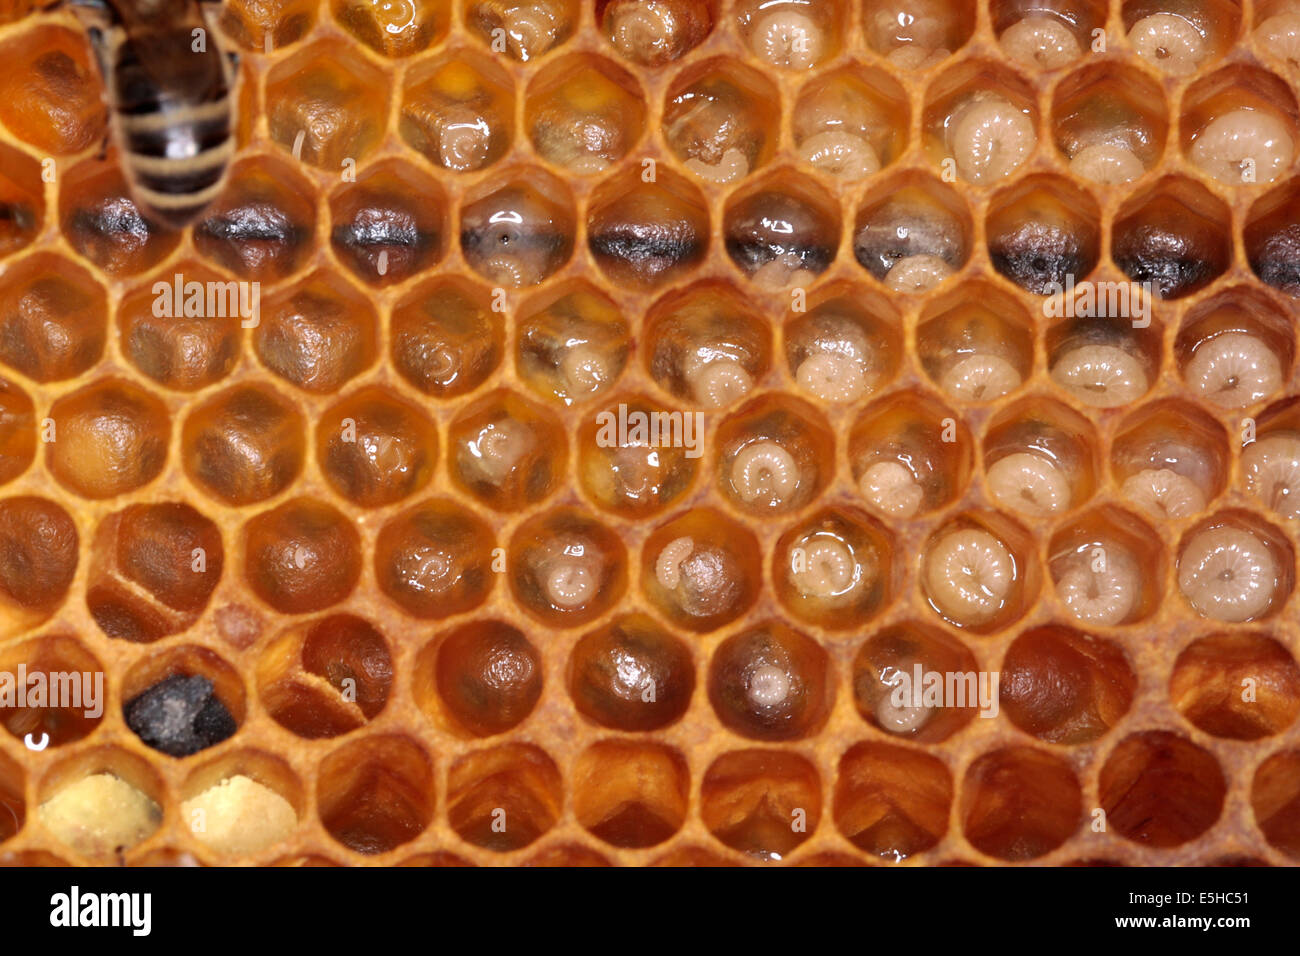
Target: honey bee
{"points": [[170, 98]]}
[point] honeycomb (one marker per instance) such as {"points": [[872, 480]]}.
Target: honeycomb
{"points": [[452, 621]]}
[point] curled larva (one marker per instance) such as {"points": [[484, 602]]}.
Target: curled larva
{"points": [[980, 378], [464, 138], [989, 138], [1103, 376], [769, 686], [498, 449], [1100, 586], [532, 28], [969, 575], [585, 369], [1243, 146], [832, 377], [1227, 574], [787, 38], [1280, 36], [786, 270], [1163, 493], [1107, 164], [764, 473], [1271, 466], [824, 568], [1170, 42], [917, 273], [1040, 43], [1029, 483], [891, 489], [732, 166], [668, 566], [569, 584], [898, 718], [715, 380], [1233, 370], [840, 154]]}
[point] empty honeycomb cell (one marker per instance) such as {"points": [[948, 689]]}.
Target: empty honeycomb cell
{"points": [[979, 570], [375, 448], [325, 677], [388, 225], [782, 232], [97, 803], [481, 678], [521, 233], [507, 451], [375, 793], [262, 27], [1239, 124], [917, 34], [701, 570], [761, 802], [59, 695], [1020, 803], [241, 803], [892, 802], [263, 225], [771, 682], [572, 344], [523, 29], [17, 431], [458, 111], [566, 855], [1275, 801], [975, 343], [566, 569], [1038, 458], [912, 232], [774, 455], [445, 338], [844, 345], [980, 119], [1161, 790], [103, 223], [630, 794], [646, 235], [1233, 566], [1047, 36], [1169, 458], [1111, 357], [1237, 685], [1043, 232], [394, 28], [109, 438], [631, 674], [153, 568], [51, 97], [39, 546], [1109, 121], [635, 458], [11, 798], [1235, 349], [1173, 237], [327, 105], [183, 699], [436, 559], [655, 32], [303, 556], [584, 113], [851, 123], [181, 328], [317, 333], [1179, 37], [22, 200], [721, 120], [836, 569], [706, 345], [243, 445], [505, 797], [1108, 568], [902, 676], [53, 318], [691, 856], [1064, 686], [909, 454]]}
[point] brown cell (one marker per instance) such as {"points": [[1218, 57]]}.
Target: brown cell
{"points": [[101, 220], [38, 559], [110, 438], [375, 448], [521, 233], [771, 683], [631, 675], [630, 794], [1020, 803], [506, 451], [317, 334], [302, 556], [783, 233], [485, 675], [1275, 801], [17, 431], [572, 346], [701, 570], [50, 96], [761, 802], [244, 445], [445, 338], [436, 559], [63, 720], [565, 568], [720, 120], [1239, 686], [646, 235], [1160, 790], [22, 200], [53, 318], [892, 801], [1174, 236], [388, 225], [505, 797], [915, 681], [375, 793], [636, 457]]}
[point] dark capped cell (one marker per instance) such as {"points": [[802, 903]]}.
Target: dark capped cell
{"points": [[38, 552], [302, 556], [180, 715], [770, 683], [517, 236], [1171, 245], [650, 233], [907, 224], [489, 676], [779, 239], [1039, 255], [1275, 257], [631, 675]]}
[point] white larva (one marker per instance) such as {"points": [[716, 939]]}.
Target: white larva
{"points": [[1233, 370], [969, 575], [1029, 483], [1227, 574], [764, 473]]}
